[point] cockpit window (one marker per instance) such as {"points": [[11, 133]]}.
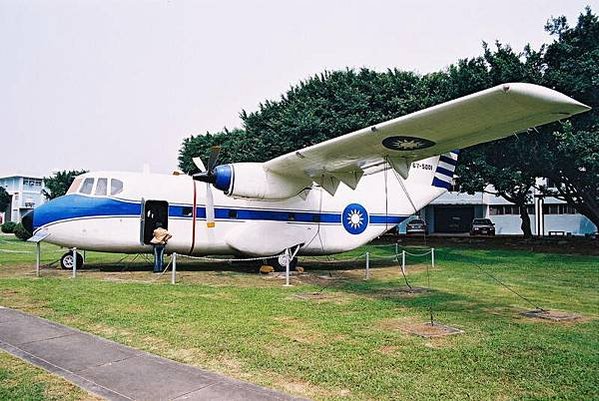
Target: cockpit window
{"points": [[116, 186], [102, 186], [87, 186], [75, 185]]}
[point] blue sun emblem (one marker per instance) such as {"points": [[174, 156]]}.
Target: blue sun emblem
{"points": [[354, 218]]}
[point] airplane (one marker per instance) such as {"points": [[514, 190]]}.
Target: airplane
{"points": [[324, 199]]}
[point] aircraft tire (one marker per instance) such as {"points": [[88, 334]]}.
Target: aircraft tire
{"points": [[66, 261]]}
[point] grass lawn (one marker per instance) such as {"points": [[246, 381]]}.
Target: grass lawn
{"points": [[23, 382], [349, 343]]}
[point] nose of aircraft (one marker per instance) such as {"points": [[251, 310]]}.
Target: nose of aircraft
{"points": [[27, 221]]}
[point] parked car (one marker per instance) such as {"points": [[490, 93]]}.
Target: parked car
{"points": [[416, 226], [392, 232], [482, 227]]}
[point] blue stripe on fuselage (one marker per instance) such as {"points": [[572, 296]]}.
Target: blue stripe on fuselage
{"points": [[76, 206], [386, 219], [79, 206]]}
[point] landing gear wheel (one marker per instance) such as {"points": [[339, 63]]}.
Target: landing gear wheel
{"points": [[278, 263], [66, 261]]}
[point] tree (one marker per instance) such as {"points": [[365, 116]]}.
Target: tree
{"points": [[8, 227], [4, 199], [232, 143], [572, 66], [505, 165], [21, 232], [338, 102], [59, 182], [567, 153], [323, 107]]}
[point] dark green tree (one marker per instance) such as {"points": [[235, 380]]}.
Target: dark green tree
{"points": [[320, 108], [21, 233], [569, 152], [4, 199], [335, 103], [59, 182], [505, 165], [233, 144]]}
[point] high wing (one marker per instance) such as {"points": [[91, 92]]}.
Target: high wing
{"points": [[481, 117]]}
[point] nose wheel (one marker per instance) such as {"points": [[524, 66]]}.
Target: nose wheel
{"points": [[67, 260]]}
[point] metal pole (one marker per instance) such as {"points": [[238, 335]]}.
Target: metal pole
{"points": [[37, 260], [403, 261], [287, 262], [433, 257], [367, 265], [174, 273], [74, 262]]}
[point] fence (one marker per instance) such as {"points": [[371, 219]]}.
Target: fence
{"points": [[398, 256]]}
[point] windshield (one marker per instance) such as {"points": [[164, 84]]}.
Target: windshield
{"points": [[75, 185], [482, 221]]}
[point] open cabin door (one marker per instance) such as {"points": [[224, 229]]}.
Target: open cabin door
{"points": [[153, 213]]}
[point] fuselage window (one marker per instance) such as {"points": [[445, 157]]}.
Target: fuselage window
{"points": [[102, 186], [87, 186], [232, 214], [186, 211], [116, 186]]}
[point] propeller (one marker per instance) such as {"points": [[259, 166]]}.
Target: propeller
{"points": [[208, 176]]}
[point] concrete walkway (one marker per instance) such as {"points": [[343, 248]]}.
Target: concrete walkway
{"points": [[114, 371]]}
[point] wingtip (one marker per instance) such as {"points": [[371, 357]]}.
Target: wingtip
{"points": [[566, 104], [576, 107]]}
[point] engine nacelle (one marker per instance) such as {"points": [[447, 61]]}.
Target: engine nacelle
{"points": [[251, 180]]}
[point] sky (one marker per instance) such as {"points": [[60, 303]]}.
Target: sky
{"points": [[113, 85]]}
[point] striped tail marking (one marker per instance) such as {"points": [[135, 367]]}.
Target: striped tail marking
{"points": [[443, 177]]}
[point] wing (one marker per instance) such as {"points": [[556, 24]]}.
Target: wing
{"points": [[481, 117]]}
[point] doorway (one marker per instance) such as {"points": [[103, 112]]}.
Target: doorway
{"points": [[153, 212], [453, 219]]}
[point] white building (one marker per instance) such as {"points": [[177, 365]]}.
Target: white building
{"points": [[25, 193], [453, 212]]}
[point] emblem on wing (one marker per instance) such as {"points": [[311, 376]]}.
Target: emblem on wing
{"points": [[406, 143]]}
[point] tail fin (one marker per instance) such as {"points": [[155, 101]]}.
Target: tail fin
{"points": [[443, 177]]}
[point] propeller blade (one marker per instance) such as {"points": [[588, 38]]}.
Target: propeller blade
{"points": [[209, 207], [199, 164], [214, 154]]}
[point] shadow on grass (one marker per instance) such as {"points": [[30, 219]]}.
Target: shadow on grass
{"points": [[441, 302], [240, 267]]}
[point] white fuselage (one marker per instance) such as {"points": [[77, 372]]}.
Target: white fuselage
{"points": [[321, 223]]}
